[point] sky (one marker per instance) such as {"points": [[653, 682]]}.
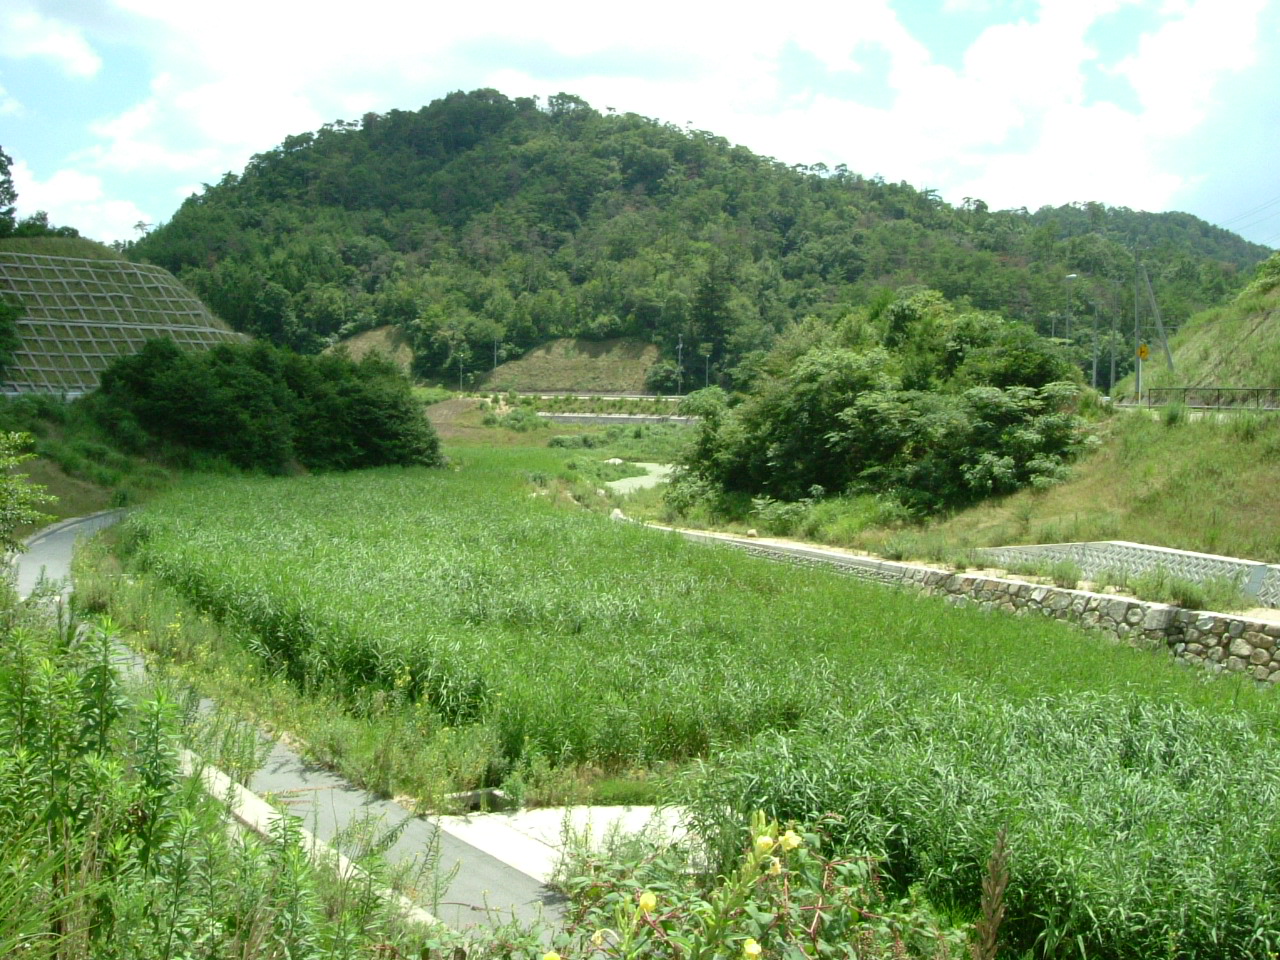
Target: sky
{"points": [[114, 111]]}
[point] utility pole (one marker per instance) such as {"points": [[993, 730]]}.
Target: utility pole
{"points": [[495, 353], [680, 365], [1111, 383], [1155, 312], [1095, 345], [1137, 335], [1069, 278]]}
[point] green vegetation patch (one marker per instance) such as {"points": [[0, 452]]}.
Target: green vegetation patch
{"points": [[525, 634], [258, 407], [110, 851], [567, 364]]}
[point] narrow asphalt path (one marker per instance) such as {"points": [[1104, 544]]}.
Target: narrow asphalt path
{"points": [[485, 890]]}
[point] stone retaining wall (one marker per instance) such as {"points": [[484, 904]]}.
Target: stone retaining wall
{"points": [[1218, 641]]}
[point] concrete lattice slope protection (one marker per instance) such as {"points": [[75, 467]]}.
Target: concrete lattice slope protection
{"points": [[78, 315]]}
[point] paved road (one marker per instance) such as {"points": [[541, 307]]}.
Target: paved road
{"points": [[658, 473], [486, 891], [48, 553]]}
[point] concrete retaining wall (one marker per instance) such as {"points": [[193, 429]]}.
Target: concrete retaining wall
{"points": [[1218, 641], [1096, 558]]}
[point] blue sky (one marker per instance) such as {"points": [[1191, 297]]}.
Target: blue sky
{"points": [[115, 110]]}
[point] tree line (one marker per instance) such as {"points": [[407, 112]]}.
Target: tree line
{"points": [[483, 226]]}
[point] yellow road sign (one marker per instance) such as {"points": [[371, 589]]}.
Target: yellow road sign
{"points": [[1143, 351]]}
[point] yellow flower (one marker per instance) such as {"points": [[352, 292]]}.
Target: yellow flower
{"points": [[597, 938], [648, 902], [750, 949], [551, 955], [790, 840], [775, 866], [764, 843]]}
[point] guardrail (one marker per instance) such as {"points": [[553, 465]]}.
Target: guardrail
{"points": [[1216, 398]]}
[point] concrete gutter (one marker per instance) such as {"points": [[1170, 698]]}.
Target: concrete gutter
{"points": [[255, 814]]}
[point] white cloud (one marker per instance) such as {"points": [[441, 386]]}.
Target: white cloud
{"points": [[9, 105], [1175, 68], [74, 198], [24, 32], [1011, 123]]}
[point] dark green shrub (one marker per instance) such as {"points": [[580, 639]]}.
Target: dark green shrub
{"points": [[262, 408]]}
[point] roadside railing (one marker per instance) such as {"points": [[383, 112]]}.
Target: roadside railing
{"points": [[1216, 398]]}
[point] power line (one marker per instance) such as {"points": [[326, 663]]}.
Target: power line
{"points": [[1258, 222], [1248, 213]]}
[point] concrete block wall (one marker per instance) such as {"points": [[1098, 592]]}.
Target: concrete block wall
{"points": [[1217, 641]]}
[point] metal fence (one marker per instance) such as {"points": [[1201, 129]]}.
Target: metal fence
{"points": [[1216, 398]]}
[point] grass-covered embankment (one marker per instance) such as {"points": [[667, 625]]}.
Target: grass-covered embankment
{"points": [[484, 621]]}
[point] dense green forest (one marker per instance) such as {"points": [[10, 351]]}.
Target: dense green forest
{"points": [[258, 407], [485, 225]]}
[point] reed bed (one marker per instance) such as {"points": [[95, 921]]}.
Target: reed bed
{"points": [[1140, 798]]}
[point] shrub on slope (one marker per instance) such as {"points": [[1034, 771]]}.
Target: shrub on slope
{"points": [[262, 408]]}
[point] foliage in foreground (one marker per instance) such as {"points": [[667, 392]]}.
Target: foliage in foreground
{"points": [[512, 635], [1104, 799], [20, 501], [111, 854], [262, 408], [781, 897]]}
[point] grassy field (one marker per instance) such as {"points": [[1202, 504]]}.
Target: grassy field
{"points": [[494, 635], [59, 247]]}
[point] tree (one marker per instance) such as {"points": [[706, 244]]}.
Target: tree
{"points": [[10, 312], [8, 197], [19, 500], [710, 308]]}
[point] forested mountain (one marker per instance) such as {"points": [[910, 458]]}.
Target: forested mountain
{"points": [[483, 224]]}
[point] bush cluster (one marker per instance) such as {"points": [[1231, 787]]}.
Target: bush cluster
{"points": [[258, 407], [915, 399]]}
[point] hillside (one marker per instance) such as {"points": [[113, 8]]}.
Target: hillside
{"points": [[81, 247], [1235, 345], [73, 315], [480, 219], [613, 366], [388, 341]]}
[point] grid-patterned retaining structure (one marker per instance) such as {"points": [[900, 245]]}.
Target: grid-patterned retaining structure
{"points": [[1097, 558], [79, 315]]}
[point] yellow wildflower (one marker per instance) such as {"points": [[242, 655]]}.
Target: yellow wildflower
{"points": [[648, 902], [775, 866], [764, 843], [551, 955], [790, 840], [750, 949]]}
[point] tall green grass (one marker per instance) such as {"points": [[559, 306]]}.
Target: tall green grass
{"points": [[533, 634], [110, 852]]}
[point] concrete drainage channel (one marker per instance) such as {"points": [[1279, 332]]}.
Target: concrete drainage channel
{"points": [[501, 862]]}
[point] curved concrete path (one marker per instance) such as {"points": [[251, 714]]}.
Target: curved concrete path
{"points": [[657, 473], [486, 891]]}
